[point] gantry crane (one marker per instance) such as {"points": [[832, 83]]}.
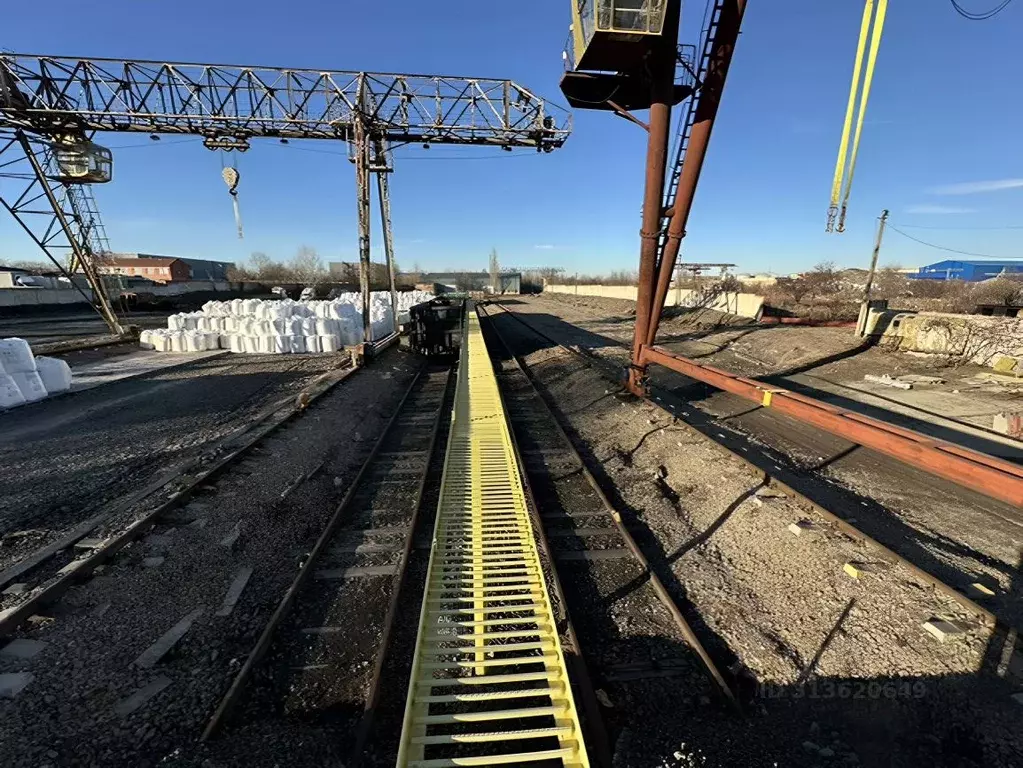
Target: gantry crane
{"points": [[625, 56], [51, 107]]}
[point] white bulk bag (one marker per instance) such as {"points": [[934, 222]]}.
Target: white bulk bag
{"points": [[10, 395], [177, 341], [297, 343], [329, 343], [55, 374], [16, 355], [30, 384], [145, 341], [251, 344], [312, 343], [279, 344]]}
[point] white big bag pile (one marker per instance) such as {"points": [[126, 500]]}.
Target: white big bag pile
{"points": [[280, 326], [25, 378]]}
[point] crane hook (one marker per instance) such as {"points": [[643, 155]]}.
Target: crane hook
{"points": [[231, 178]]}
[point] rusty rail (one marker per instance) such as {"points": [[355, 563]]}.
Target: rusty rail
{"points": [[984, 474]]}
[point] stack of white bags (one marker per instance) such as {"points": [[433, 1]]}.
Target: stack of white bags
{"points": [[280, 327], [26, 379]]}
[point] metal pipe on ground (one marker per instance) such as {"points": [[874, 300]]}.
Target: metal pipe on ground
{"points": [[984, 474]]}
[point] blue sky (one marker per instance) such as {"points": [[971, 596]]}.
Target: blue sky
{"points": [[940, 148]]}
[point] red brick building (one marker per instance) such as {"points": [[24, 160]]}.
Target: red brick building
{"points": [[160, 270]]}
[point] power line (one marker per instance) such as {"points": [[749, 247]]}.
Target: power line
{"points": [[983, 15], [942, 247], [976, 228]]}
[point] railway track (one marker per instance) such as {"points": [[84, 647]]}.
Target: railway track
{"points": [[325, 643], [44, 575], [775, 474], [632, 631]]}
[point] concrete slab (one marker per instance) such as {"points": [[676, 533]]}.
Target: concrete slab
{"points": [[16, 589], [234, 592], [126, 706], [942, 629], [89, 544], [22, 649], [71, 567], [231, 540], [152, 655], [13, 683]]}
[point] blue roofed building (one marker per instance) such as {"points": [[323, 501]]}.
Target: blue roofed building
{"points": [[970, 271]]}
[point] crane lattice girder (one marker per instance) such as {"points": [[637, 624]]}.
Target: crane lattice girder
{"points": [[54, 95]]}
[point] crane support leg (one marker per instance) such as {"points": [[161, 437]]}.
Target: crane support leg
{"points": [[383, 191], [363, 197], [40, 187], [662, 92], [706, 111]]}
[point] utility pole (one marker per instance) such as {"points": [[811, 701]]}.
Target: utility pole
{"points": [[861, 322], [873, 260]]}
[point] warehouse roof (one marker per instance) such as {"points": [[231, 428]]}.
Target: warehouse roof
{"points": [[128, 261]]}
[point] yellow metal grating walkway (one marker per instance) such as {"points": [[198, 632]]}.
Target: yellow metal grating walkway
{"points": [[488, 684]]}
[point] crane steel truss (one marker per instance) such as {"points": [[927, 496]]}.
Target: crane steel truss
{"points": [[48, 97]]}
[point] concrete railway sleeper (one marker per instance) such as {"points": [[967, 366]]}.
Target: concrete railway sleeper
{"points": [[786, 481], [326, 641]]}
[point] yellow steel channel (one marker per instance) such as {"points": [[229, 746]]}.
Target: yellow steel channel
{"points": [[489, 684]]}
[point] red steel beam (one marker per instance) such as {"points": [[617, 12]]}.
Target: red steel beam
{"points": [[988, 475]]}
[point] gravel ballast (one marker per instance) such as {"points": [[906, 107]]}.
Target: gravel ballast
{"points": [[79, 708], [833, 669]]}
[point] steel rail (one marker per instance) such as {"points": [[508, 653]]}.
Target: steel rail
{"points": [[984, 474], [266, 637], [985, 615], [593, 722], [271, 420], [365, 726], [663, 594]]}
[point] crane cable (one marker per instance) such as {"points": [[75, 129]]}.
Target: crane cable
{"points": [[847, 159]]}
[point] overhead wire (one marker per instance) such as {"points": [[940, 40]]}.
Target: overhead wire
{"points": [[983, 15], [975, 228], [942, 247]]}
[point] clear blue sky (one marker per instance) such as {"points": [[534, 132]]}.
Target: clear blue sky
{"points": [[945, 111]]}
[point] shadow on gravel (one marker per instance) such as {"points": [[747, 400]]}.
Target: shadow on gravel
{"points": [[954, 720], [929, 550], [60, 459]]}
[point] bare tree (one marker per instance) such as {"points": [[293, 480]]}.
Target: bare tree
{"points": [[495, 272], [822, 280], [29, 266], [1000, 291], [308, 266]]}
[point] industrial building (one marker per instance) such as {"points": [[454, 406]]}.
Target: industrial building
{"points": [[970, 271], [448, 282], [188, 269]]}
